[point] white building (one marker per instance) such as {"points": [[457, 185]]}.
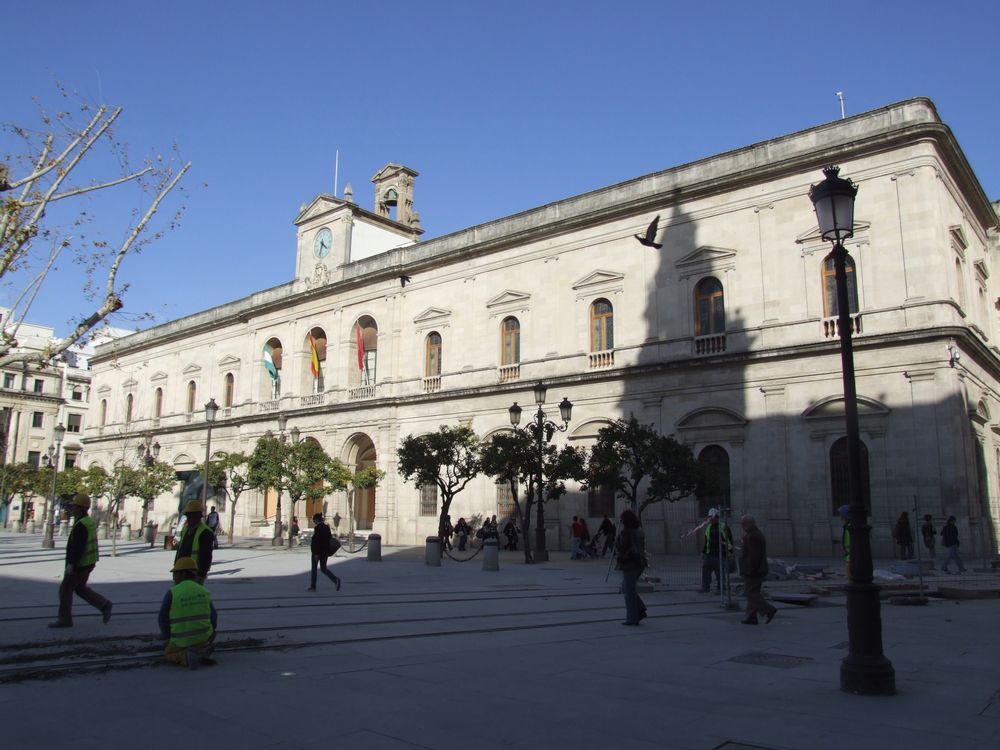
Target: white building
{"points": [[725, 337]]}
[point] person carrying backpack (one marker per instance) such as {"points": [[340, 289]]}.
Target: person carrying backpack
{"points": [[322, 546]]}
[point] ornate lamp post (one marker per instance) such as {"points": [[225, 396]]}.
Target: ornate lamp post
{"points": [[542, 430], [276, 540], [211, 409], [48, 542], [294, 432], [865, 670]]}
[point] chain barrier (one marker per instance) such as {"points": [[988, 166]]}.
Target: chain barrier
{"points": [[354, 552], [464, 559]]}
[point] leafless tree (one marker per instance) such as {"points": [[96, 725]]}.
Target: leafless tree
{"points": [[44, 193]]}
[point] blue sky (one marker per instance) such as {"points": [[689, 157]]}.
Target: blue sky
{"points": [[501, 106]]}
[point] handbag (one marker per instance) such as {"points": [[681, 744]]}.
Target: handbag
{"points": [[334, 545]]}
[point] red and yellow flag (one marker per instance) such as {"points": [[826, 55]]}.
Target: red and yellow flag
{"points": [[313, 357]]}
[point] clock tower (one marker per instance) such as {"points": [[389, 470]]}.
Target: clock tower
{"points": [[332, 232]]}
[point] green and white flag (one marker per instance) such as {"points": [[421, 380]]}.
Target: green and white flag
{"points": [[269, 363]]}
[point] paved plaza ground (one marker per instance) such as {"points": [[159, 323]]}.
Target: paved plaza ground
{"points": [[411, 656]]}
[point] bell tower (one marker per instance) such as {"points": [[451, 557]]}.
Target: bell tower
{"points": [[394, 195]]}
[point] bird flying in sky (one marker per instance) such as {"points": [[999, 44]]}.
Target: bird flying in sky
{"points": [[650, 239]]}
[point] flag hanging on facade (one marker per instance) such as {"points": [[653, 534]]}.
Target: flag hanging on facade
{"points": [[361, 349], [269, 362], [313, 357]]}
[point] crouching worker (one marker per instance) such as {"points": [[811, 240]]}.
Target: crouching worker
{"points": [[187, 618]]}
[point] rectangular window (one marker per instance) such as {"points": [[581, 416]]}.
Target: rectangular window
{"points": [[70, 460], [34, 457], [77, 394], [37, 419], [8, 380], [39, 385], [601, 502], [74, 422], [429, 500]]}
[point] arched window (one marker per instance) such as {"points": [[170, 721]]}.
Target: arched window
{"points": [[510, 342], [229, 392], [192, 393], [432, 355], [157, 403], [830, 307], [716, 461], [315, 350], [364, 368], [840, 490], [710, 311], [602, 326], [128, 408], [273, 356], [104, 412]]}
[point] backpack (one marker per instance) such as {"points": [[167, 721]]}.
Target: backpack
{"points": [[334, 545]]}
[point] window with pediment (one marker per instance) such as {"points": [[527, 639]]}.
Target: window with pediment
{"points": [[192, 395], [229, 390], [510, 341], [840, 488], [157, 403], [432, 355], [716, 459], [830, 307], [128, 408], [602, 326]]}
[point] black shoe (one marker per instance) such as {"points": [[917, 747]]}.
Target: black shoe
{"points": [[749, 621], [106, 613], [770, 616], [642, 615], [60, 624]]}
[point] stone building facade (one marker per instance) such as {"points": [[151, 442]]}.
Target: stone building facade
{"points": [[724, 337]]}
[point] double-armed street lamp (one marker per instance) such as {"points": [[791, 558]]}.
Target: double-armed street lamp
{"points": [[148, 453], [48, 540], [865, 670], [211, 409], [541, 429]]}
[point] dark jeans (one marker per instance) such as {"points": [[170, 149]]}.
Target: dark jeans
{"points": [[710, 564], [634, 606], [76, 583], [462, 539], [756, 603], [321, 561]]}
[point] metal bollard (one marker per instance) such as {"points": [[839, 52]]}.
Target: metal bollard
{"points": [[126, 531], [491, 554], [374, 548], [432, 553]]}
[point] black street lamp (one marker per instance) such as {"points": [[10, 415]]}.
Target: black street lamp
{"points": [[148, 453], [865, 670], [542, 430], [211, 409], [276, 540], [295, 434], [48, 540]]}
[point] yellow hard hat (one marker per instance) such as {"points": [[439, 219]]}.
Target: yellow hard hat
{"points": [[81, 500], [184, 563], [194, 506]]}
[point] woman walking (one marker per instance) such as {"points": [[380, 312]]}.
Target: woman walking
{"points": [[903, 535], [630, 554]]}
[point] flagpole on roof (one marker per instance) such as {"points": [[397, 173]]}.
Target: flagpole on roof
{"points": [[336, 172]]}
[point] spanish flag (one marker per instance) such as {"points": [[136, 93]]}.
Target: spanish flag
{"points": [[313, 357]]}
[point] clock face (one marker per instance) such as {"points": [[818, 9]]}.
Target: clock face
{"points": [[323, 242]]}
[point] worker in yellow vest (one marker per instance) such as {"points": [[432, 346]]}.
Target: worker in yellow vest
{"points": [[81, 557], [187, 618], [196, 540]]}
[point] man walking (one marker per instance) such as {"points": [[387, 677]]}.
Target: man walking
{"points": [[213, 525], [949, 540], [81, 557], [715, 550], [754, 564], [928, 533], [321, 551], [196, 540]]}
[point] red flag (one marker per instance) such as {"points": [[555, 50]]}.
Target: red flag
{"points": [[361, 349]]}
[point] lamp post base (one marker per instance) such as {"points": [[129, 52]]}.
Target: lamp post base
{"points": [[540, 555], [48, 541], [277, 542], [865, 670]]}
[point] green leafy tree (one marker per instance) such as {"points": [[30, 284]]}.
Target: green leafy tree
{"points": [[265, 468], [630, 457], [149, 481], [310, 474], [236, 467], [448, 458], [11, 476], [511, 458]]}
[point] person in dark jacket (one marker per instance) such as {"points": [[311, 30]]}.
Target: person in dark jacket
{"points": [[462, 531], [949, 540], [630, 554], [187, 618], [196, 540], [320, 548], [510, 531], [81, 557], [903, 535], [607, 530], [928, 533], [754, 567]]}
